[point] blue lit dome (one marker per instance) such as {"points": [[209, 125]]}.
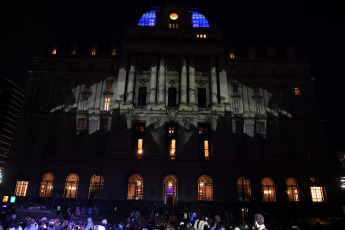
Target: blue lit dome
{"points": [[198, 20]]}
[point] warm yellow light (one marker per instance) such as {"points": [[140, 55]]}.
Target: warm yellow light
{"points": [[232, 55], [140, 147], [54, 51], [173, 16], [297, 91], [5, 199], [93, 52], [113, 52]]}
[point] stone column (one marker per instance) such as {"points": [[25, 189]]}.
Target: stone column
{"points": [[130, 83], [224, 91], [161, 81], [192, 90], [213, 82], [153, 81], [184, 81]]}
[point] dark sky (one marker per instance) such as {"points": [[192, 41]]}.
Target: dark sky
{"points": [[317, 28]]}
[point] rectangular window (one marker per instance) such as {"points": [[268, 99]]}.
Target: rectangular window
{"points": [[232, 55], [139, 128], [317, 194], [202, 98], [74, 51], [260, 127], [297, 91], [107, 103], [81, 123], [93, 51], [236, 106], [172, 148], [109, 85], [203, 130], [21, 188], [238, 126], [235, 88], [85, 103], [142, 96], [113, 52], [140, 148], [54, 51], [206, 150], [258, 107], [171, 129], [103, 123], [172, 97]]}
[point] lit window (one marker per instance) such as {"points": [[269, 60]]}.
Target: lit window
{"points": [[96, 187], [106, 103], [109, 85], [318, 193], [206, 150], [74, 51], [203, 130], [342, 181], [140, 148], [85, 103], [46, 187], [199, 20], [21, 188], [170, 189], [93, 51], [71, 186], [268, 190], [173, 16], [260, 127], [54, 51], [297, 91], [205, 188], [135, 187], [244, 189], [148, 19], [139, 128], [113, 52], [172, 148], [292, 190], [198, 35], [5, 199], [171, 129], [232, 55]]}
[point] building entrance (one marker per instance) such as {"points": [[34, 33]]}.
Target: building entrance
{"points": [[170, 189]]}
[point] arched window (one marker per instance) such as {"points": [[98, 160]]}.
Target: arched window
{"points": [[318, 193], [135, 187], [71, 186], [46, 187], [244, 189], [170, 189], [96, 187], [205, 188], [292, 190], [268, 190]]}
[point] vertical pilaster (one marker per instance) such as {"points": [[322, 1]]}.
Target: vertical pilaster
{"points": [[121, 83], [184, 81], [161, 81], [153, 81], [131, 79], [213, 79], [192, 90]]}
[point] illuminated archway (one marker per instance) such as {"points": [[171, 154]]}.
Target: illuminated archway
{"points": [[96, 187], [71, 186], [268, 190], [292, 190], [205, 188], [46, 187], [170, 189], [135, 187], [244, 189]]}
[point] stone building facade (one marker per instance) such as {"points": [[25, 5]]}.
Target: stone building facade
{"points": [[173, 114]]}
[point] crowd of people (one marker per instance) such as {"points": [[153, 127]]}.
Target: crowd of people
{"points": [[136, 221]]}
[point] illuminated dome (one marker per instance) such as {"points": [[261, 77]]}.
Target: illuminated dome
{"points": [[198, 20]]}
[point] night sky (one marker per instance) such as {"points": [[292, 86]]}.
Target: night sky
{"points": [[315, 28]]}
